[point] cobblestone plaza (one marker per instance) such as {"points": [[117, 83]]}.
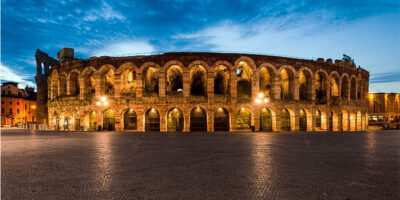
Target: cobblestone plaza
{"points": [[109, 165]]}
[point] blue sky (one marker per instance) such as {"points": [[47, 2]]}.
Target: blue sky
{"points": [[366, 30]]}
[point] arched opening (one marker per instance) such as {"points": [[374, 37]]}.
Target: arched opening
{"points": [[75, 121], [66, 123], [303, 120], [243, 120], [108, 120], [221, 120], [320, 88], [353, 89], [152, 120], [91, 121], [151, 76], [198, 81], [108, 82], [334, 89], [244, 75], [128, 87], [174, 80], [198, 119], [130, 120], [74, 88], [221, 80], [345, 87], [89, 83], [318, 119], [286, 84], [54, 85], [42, 68], [265, 82], [305, 85], [63, 85], [285, 120], [266, 120], [175, 120]]}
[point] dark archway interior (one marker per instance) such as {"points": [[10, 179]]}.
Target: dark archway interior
{"points": [[198, 84], [244, 88], [221, 120], [175, 120], [174, 80], [266, 120], [198, 120], [130, 120], [303, 120], [152, 120], [285, 120]]}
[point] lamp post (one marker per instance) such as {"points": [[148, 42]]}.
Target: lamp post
{"points": [[261, 99]]}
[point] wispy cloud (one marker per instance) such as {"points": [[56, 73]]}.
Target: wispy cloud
{"points": [[123, 48], [106, 12], [388, 77], [9, 74]]}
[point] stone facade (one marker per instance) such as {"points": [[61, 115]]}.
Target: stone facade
{"points": [[205, 92], [384, 108]]}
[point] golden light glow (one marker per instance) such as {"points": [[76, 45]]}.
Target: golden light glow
{"points": [[98, 103], [266, 100], [258, 101], [33, 107], [106, 103], [260, 95], [371, 96], [103, 99]]}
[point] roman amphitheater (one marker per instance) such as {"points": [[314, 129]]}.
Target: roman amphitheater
{"points": [[185, 92]]}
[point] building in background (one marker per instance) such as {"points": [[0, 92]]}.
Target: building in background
{"points": [[18, 106], [384, 108]]}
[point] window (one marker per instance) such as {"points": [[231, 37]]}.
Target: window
{"points": [[11, 102], [2, 102], [17, 110], [2, 110], [10, 111], [17, 102]]}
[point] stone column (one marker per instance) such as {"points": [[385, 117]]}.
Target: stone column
{"points": [[162, 84], [276, 87], [186, 126], [232, 126], [186, 84], [99, 117], [314, 118], [163, 120], [210, 87], [296, 118], [210, 120], [278, 120], [98, 87], [69, 87], [296, 88], [118, 122], [117, 86], [256, 84], [233, 86], [140, 120], [82, 88], [139, 85]]}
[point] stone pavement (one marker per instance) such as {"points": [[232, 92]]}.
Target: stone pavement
{"points": [[107, 165]]}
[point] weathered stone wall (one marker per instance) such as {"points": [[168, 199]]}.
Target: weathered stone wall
{"points": [[341, 96]]}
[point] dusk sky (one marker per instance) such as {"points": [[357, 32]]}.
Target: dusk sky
{"points": [[368, 31]]}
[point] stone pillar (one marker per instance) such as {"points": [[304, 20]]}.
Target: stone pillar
{"points": [[117, 86], [210, 87], [276, 87], [98, 87], [278, 120], [328, 89], [139, 85], [82, 88], [118, 122], [210, 120], [140, 120], [163, 120], [296, 118], [314, 118], [232, 126], [186, 84], [69, 87], [233, 86], [312, 90], [256, 85], [99, 117], [186, 126], [296, 88], [162, 84]]}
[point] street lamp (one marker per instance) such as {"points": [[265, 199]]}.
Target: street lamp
{"points": [[103, 102], [261, 99]]}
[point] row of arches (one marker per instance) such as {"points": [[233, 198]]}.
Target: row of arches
{"points": [[244, 119], [242, 80]]}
